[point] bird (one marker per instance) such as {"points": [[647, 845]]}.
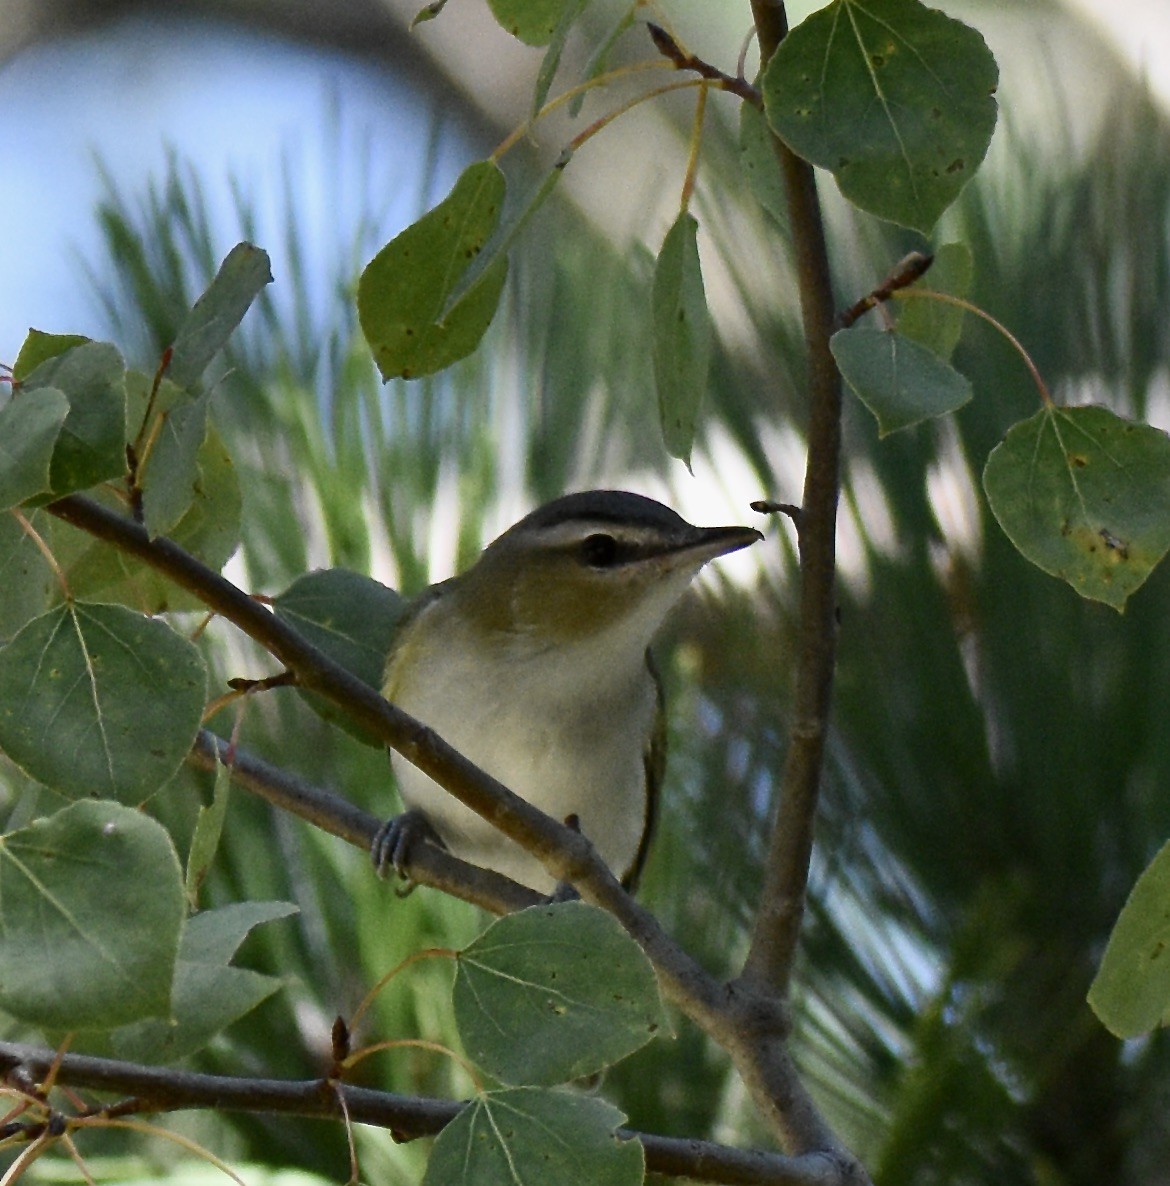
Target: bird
{"points": [[534, 663]]}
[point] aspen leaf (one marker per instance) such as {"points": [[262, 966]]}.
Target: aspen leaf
{"points": [[404, 294], [1084, 495], [682, 336], [91, 445], [170, 477], [525, 1134], [96, 700], [758, 160], [894, 98], [533, 21], [350, 617], [932, 323], [39, 347], [93, 906], [1131, 991], [209, 994], [554, 992], [900, 381], [214, 317], [29, 427]]}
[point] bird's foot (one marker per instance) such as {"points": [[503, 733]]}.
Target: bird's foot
{"points": [[396, 840]]}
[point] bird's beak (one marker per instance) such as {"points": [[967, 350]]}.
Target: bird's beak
{"points": [[709, 542]]}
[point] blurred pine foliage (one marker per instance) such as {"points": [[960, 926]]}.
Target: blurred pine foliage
{"points": [[1001, 751]]}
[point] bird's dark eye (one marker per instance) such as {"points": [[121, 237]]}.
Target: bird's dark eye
{"points": [[599, 551]]}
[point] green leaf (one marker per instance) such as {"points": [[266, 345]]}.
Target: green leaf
{"points": [[1131, 991], [899, 381], [29, 427], [25, 577], [350, 617], [214, 936], [92, 908], [1085, 496], [552, 993], [757, 157], [682, 336], [599, 59], [894, 98], [570, 11], [209, 995], [938, 324], [91, 446], [206, 837], [170, 477], [98, 700], [214, 317], [39, 347], [428, 13], [405, 290], [532, 21], [524, 1134]]}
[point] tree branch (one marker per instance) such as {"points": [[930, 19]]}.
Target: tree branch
{"points": [[749, 1023], [155, 1089], [338, 816], [781, 907]]}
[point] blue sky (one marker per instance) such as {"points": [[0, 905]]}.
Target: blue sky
{"points": [[232, 102]]}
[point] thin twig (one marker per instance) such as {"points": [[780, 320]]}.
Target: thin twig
{"points": [[339, 817], [908, 269], [684, 60], [156, 1089]]}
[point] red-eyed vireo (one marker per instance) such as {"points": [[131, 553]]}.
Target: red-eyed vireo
{"points": [[534, 664]]}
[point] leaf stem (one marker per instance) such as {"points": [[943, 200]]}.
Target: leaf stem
{"points": [[693, 157], [401, 966], [418, 1044], [518, 133], [47, 552], [605, 120], [967, 306]]}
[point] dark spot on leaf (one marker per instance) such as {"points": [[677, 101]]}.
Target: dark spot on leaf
{"points": [[1159, 948], [1078, 459], [936, 113], [1114, 543], [957, 165]]}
